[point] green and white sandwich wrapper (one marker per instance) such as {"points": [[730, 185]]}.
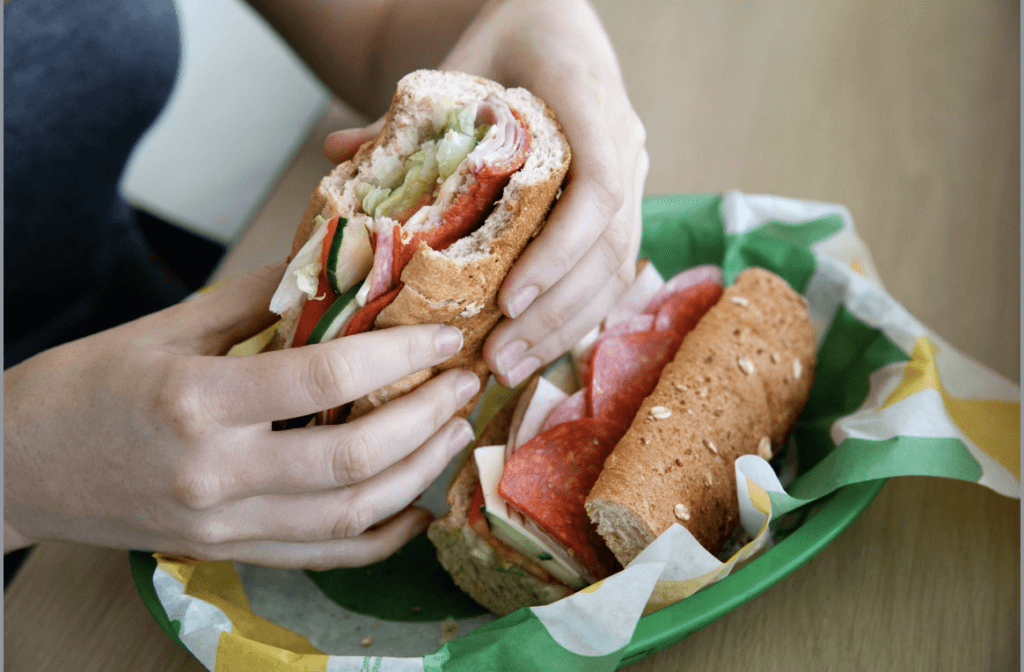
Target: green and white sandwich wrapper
{"points": [[890, 398]]}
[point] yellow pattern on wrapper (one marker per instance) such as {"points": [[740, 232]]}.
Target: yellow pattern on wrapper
{"points": [[254, 643], [993, 426], [667, 593]]}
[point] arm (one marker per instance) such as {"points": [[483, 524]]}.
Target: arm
{"points": [[361, 49]]}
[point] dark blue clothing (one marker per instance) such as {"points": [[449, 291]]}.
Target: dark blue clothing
{"points": [[83, 80], [82, 83]]}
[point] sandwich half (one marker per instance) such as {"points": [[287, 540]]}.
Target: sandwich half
{"points": [[424, 222], [681, 381]]}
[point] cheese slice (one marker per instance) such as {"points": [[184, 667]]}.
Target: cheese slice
{"points": [[508, 526]]}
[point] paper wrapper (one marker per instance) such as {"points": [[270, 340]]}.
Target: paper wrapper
{"points": [[890, 399]]}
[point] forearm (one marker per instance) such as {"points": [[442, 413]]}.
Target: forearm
{"points": [[360, 49]]}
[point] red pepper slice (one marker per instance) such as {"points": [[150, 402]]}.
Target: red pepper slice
{"points": [[315, 308], [477, 521], [364, 317], [325, 252]]}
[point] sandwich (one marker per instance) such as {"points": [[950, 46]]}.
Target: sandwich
{"points": [[567, 485], [424, 222]]}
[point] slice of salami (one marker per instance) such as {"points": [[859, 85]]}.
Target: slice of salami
{"points": [[680, 281], [635, 299], [572, 408], [627, 325], [681, 311], [549, 477], [625, 370]]}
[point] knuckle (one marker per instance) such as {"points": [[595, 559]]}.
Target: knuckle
{"points": [[609, 190], [552, 321], [328, 378], [561, 258], [196, 489], [357, 457], [207, 532], [615, 248], [179, 402], [352, 521], [418, 350]]}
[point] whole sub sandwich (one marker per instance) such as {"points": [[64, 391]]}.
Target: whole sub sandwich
{"points": [[568, 486], [424, 222]]}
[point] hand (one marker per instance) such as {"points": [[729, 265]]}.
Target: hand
{"points": [[142, 437], [584, 258]]}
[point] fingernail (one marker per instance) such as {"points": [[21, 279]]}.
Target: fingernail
{"points": [[521, 300], [521, 370], [448, 341], [509, 355], [466, 387], [460, 437]]}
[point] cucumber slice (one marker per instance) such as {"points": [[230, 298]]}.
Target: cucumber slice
{"points": [[332, 255], [350, 257], [331, 324]]}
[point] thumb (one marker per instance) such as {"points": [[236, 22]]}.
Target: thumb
{"points": [[342, 145], [228, 313]]}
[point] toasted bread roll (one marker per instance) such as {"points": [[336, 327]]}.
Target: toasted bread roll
{"points": [[736, 386], [457, 285]]}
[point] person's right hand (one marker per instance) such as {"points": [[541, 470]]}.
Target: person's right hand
{"points": [[144, 437]]}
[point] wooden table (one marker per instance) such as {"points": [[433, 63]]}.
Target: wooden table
{"points": [[907, 113]]}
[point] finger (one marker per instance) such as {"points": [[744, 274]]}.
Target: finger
{"points": [[318, 458], [577, 221], [370, 547], [342, 145], [528, 357], [560, 312], [342, 512], [598, 187], [214, 321], [298, 381], [560, 304]]}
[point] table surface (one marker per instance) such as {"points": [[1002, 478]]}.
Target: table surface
{"points": [[908, 114]]}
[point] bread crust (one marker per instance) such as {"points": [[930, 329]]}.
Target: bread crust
{"points": [[494, 574], [732, 383]]}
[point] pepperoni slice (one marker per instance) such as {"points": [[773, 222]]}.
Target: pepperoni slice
{"points": [[549, 477], [625, 370], [627, 325], [572, 408], [681, 311], [680, 281]]}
